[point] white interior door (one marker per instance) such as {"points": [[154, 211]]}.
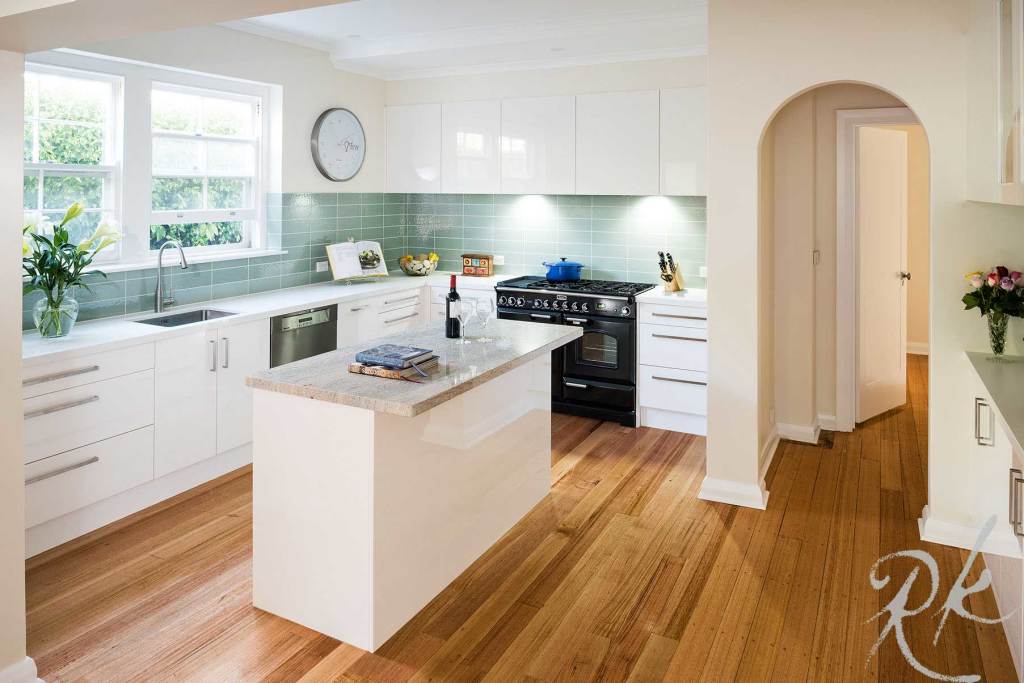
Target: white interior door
{"points": [[882, 258]]}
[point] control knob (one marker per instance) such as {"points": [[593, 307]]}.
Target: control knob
{"points": [[575, 306], [584, 307], [546, 303], [537, 303], [501, 300], [520, 301], [625, 310]]}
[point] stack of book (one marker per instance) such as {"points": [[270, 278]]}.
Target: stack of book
{"points": [[395, 362]]}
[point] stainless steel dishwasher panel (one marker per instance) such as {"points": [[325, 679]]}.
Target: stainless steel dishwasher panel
{"points": [[300, 335]]}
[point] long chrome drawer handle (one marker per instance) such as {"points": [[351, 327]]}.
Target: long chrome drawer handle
{"points": [[63, 406], [358, 308], [681, 381], [63, 470], [404, 317], [672, 336], [32, 381], [575, 385], [398, 301], [680, 317], [541, 316]]}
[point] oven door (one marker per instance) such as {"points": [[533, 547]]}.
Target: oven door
{"points": [[606, 351], [556, 355]]}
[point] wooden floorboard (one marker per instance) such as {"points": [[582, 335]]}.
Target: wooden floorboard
{"points": [[621, 574]]}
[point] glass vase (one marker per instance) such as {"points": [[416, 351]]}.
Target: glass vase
{"points": [[55, 316], [997, 333]]}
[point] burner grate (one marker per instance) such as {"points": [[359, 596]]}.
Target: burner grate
{"points": [[598, 287]]}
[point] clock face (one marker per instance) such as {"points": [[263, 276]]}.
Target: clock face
{"points": [[339, 144]]}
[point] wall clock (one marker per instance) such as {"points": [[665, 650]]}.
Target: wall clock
{"points": [[338, 144]]}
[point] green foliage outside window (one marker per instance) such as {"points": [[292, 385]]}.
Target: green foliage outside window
{"points": [[196, 234]]}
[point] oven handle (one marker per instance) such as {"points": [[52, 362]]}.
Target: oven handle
{"points": [[576, 385], [542, 316], [577, 321]]}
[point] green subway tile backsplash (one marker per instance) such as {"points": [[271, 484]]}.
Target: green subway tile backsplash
{"points": [[615, 237]]}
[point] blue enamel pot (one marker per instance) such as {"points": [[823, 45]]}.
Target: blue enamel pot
{"points": [[563, 271]]}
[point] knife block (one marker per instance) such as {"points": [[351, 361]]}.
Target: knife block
{"points": [[676, 283]]}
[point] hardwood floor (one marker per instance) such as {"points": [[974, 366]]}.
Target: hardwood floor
{"points": [[621, 574]]}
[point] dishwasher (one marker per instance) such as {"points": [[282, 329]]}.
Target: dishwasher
{"points": [[295, 336]]}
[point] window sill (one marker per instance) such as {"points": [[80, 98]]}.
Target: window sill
{"points": [[172, 259]]}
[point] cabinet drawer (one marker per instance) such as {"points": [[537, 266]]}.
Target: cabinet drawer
{"points": [[678, 391], [392, 302], [400, 319], [67, 419], [64, 374], [673, 347], [677, 316], [64, 483]]}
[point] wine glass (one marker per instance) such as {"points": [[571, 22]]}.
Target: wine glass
{"points": [[485, 310], [465, 311]]}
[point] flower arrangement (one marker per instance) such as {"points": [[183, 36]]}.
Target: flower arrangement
{"points": [[998, 295], [53, 265]]}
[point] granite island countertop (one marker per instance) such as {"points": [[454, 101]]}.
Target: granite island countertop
{"points": [[510, 344]]}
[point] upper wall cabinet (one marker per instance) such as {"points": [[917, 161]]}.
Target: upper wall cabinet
{"points": [[617, 143], [414, 148], [684, 141], [537, 154], [995, 150], [470, 161]]}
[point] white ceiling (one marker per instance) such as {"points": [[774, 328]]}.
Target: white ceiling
{"points": [[397, 39]]}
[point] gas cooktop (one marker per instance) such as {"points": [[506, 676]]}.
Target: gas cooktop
{"points": [[606, 288]]}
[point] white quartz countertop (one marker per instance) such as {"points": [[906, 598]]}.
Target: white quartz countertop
{"points": [[462, 366], [113, 333], [686, 297], [1004, 382]]}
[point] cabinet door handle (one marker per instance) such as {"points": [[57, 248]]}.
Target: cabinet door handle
{"points": [[224, 362], [577, 385], [672, 336], [398, 301], [989, 440], [404, 317], [213, 355], [63, 470], [679, 317], [59, 407], [356, 309], [1016, 518], [32, 381], [681, 381]]}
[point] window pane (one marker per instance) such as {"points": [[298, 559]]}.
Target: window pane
{"points": [[31, 88], [230, 157], [61, 191], [174, 111], [79, 228], [197, 234], [70, 144], [32, 191], [74, 99], [228, 193], [176, 194], [29, 133], [227, 117], [177, 156]]}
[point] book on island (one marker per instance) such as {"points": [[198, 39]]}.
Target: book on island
{"points": [[350, 260], [413, 373], [394, 356]]}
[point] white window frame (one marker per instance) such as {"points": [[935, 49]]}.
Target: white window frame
{"points": [[135, 142], [113, 153], [249, 217]]}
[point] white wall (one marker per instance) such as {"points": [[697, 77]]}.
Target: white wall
{"points": [[12, 488], [310, 84], [763, 54], [643, 75]]}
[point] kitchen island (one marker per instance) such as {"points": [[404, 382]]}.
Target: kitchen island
{"points": [[371, 495]]}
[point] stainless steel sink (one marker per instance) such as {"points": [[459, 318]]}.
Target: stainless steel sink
{"points": [[186, 318]]}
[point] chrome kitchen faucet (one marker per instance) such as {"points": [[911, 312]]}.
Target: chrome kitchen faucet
{"points": [[160, 302]]}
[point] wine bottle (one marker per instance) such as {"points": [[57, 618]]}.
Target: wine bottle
{"points": [[452, 326]]}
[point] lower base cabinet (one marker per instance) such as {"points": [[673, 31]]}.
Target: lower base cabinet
{"points": [[186, 400]]}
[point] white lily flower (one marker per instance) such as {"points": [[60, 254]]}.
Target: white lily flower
{"points": [[108, 232], [36, 223]]}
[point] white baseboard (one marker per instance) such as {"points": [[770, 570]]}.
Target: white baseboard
{"points": [[803, 433], [767, 453], [734, 493], [54, 532], [917, 348], [1002, 540], [23, 671], [827, 422]]}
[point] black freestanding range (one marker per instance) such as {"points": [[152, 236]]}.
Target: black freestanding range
{"points": [[594, 376]]}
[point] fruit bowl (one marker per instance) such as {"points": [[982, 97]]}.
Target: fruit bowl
{"points": [[420, 265]]}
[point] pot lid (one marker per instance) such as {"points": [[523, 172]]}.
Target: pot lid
{"points": [[563, 262]]}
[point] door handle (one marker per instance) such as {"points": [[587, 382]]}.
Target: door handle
{"points": [[672, 336], [224, 362], [681, 381], [1016, 518], [62, 406], [577, 385], [63, 470], [32, 381], [213, 355], [989, 440], [904, 276], [356, 309], [680, 317]]}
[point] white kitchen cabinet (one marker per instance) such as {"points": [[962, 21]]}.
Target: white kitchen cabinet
{"points": [[438, 294], [414, 148], [243, 350], [537, 145], [470, 160], [617, 143], [684, 141], [186, 400], [357, 321], [400, 320]]}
